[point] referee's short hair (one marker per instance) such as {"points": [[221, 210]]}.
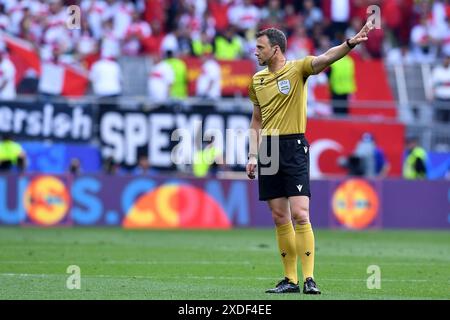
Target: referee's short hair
{"points": [[275, 36]]}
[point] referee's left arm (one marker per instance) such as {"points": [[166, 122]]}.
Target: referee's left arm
{"points": [[323, 61]]}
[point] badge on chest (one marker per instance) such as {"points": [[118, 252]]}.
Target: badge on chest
{"points": [[284, 86]]}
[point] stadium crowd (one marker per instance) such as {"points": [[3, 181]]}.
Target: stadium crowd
{"points": [[412, 30]]}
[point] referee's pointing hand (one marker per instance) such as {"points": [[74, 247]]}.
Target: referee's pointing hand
{"points": [[362, 35]]}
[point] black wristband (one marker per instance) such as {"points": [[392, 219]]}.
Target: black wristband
{"points": [[349, 45]]}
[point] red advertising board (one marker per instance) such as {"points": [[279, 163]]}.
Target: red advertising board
{"points": [[331, 139], [236, 75], [373, 94]]}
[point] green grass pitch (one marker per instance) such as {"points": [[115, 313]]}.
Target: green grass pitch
{"points": [[236, 264]]}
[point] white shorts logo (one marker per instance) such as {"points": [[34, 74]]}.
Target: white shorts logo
{"points": [[284, 86], [299, 187]]}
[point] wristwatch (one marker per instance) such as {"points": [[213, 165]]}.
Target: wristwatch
{"points": [[349, 45]]}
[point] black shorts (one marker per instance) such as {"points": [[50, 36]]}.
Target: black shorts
{"points": [[292, 175]]}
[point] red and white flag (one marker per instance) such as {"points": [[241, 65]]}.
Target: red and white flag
{"points": [[61, 79], [68, 80]]}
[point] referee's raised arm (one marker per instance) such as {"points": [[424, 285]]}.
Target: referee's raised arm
{"points": [[323, 61]]}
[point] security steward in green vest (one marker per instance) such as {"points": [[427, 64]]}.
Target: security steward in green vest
{"points": [[414, 165], [342, 83], [206, 160], [180, 84], [227, 46], [11, 154], [202, 45]]}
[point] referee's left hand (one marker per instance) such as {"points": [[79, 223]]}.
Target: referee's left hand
{"points": [[251, 167], [362, 35]]}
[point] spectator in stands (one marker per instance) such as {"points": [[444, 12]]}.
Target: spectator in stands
{"points": [[55, 29], [424, 47], [184, 39], [219, 11], [86, 43], [135, 34], [397, 18], [209, 80], [272, 15], [170, 42], [299, 45], [228, 46], [75, 167], [110, 166], [190, 21], [110, 41], [179, 86], [292, 19], [202, 45], [208, 24], [367, 159], [342, 84], [12, 155], [382, 165], [106, 77], [123, 17], [399, 55], [446, 36], [415, 161], [155, 11], [152, 44], [440, 79], [374, 45], [312, 14], [15, 10], [323, 44], [29, 28], [243, 15], [439, 21], [362, 160], [7, 75], [29, 83], [5, 21], [94, 12], [49, 86], [160, 80], [338, 12], [143, 167], [316, 108]]}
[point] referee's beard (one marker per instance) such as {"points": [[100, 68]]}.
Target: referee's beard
{"points": [[266, 62]]}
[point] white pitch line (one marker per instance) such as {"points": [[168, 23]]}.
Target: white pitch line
{"points": [[201, 277], [212, 262], [119, 262]]}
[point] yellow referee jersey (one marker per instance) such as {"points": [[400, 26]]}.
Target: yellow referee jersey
{"points": [[282, 97]]}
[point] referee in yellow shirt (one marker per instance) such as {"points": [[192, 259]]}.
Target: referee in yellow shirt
{"points": [[278, 128]]}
